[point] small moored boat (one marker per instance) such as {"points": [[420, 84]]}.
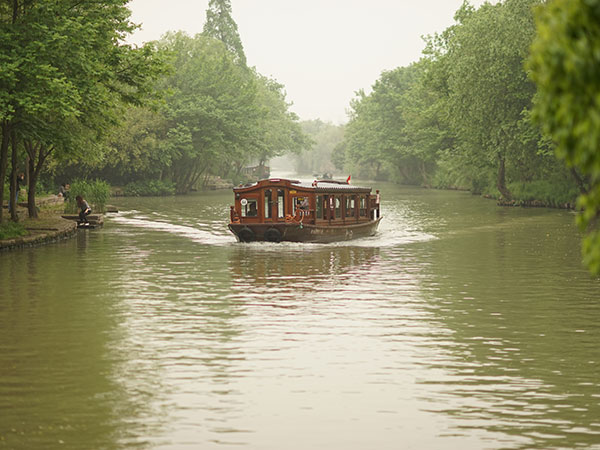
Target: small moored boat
{"points": [[278, 209]]}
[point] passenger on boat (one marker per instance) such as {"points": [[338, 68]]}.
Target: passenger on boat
{"points": [[252, 212], [304, 204]]}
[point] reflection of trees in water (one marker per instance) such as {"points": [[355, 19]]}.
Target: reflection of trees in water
{"points": [[522, 361], [299, 269], [59, 328], [183, 327]]}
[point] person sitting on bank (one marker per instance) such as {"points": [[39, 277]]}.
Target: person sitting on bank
{"points": [[84, 209], [63, 191]]}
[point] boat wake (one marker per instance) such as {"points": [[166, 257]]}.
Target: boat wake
{"points": [[209, 234]]}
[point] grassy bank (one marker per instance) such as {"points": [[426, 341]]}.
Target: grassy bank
{"points": [[11, 230]]}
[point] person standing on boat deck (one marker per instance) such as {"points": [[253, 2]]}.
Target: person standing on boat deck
{"points": [[84, 209], [304, 204]]}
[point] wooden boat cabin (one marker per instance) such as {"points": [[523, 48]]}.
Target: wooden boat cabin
{"points": [[289, 210]]}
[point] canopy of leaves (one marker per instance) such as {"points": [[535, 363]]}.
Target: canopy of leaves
{"points": [[65, 72], [459, 117], [565, 65], [216, 118]]}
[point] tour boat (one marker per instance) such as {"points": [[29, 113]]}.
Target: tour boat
{"points": [[278, 209]]}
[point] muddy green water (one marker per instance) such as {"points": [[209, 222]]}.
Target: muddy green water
{"points": [[460, 325]]}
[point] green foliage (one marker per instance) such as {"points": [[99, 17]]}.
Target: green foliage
{"points": [[65, 73], [565, 65], [377, 135], [210, 109], [221, 26], [95, 192], [318, 159], [10, 230], [217, 117], [460, 118], [149, 188], [488, 86], [452, 173], [136, 146], [545, 192]]}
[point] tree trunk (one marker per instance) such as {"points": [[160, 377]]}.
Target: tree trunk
{"points": [[3, 162], [27, 159], [37, 157], [31, 208], [13, 179], [501, 184], [424, 174]]}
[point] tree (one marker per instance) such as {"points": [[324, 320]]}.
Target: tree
{"points": [[137, 148], [65, 73], [318, 159], [489, 88], [565, 65], [278, 129], [210, 110], [221, 26], [378, 133]]}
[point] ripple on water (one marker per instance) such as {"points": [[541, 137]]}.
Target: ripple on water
{"points": [[455, 326]]}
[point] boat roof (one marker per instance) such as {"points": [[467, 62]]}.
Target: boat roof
{"points": [[317, 185]]}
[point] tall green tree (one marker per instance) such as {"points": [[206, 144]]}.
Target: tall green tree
{"points": [[65, 73], [210, 109], [565, 65], [221, 26], [489, 88]]}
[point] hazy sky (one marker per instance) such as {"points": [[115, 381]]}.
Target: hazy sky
{"points": [[322, 51]]}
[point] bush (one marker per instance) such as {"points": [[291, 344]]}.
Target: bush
{"points": [[95, 192], [549, 193], [149, 188], [11, 230]]}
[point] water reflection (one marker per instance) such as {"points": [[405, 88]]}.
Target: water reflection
{"points": [[459, 325], [297, 265], [521, 361], [57, 362]]}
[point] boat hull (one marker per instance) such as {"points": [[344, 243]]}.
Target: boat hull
{"points": [[295, 232]]}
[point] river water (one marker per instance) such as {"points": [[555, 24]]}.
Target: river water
{"points": [[460, 325]]}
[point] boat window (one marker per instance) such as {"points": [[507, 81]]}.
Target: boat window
{"points": [[338, 207], [350, 206], [280, 204], [328, 203], [319, 206], [268, 204], [249, 207], [363, 206]]}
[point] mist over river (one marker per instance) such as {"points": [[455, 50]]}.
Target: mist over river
{"points": [[459, 325]]}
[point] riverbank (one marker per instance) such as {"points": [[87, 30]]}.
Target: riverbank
{"points": [[48, 227]]}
